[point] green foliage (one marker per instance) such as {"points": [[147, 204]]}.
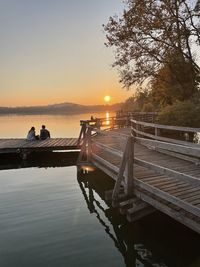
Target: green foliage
{"points": [[197, 8], [142, 101], [149, 107], [185, 113], [130, 104], [154, 43], [174, 82]]}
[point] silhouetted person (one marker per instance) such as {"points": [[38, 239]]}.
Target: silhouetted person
{"points": [[44, 133], [31, 135]]}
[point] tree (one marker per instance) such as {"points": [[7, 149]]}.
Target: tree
{"points": [[197, 8], [181, 114], [156, 35], [141, 101], [166, 87], [130, 104]]}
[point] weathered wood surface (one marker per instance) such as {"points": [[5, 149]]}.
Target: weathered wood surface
{"points": [[15, 145], [169, 127], [170, 184]]}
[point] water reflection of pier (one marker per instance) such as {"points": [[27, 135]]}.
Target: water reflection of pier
{"points": [[112, 223], [141, 243], [45, 159]]}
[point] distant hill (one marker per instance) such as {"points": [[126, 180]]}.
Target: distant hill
{"points": [[62, 109]]}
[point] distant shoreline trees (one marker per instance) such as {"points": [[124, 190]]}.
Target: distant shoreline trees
{"points": [[155, 43]]}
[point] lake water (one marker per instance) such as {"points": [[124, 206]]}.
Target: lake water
{"points": [[15, 126], [49, 217]]}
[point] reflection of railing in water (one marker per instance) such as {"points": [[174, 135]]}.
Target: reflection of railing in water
{"points": [[132, 252]]}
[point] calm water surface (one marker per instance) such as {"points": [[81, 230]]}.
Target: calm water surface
{"points": [[16, 126], [51, 217]]}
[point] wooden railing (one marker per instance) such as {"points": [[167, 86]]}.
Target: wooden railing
{"points": [[139, 134], [149, 134], [120, 120], [89, 129], [159, 132], [101, 125], [176, 148], [105, 153], [139, 116], [108, 122], [144, 116]]}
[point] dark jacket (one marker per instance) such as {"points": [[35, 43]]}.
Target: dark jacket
{"points": [[44, 134]]}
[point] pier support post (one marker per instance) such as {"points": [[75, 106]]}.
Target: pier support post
{"points": [[86, 149], [130, 166], [82, 134], [89, 144], [24, 154]]}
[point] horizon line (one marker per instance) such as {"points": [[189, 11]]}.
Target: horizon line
{"points": [[62, 103]]}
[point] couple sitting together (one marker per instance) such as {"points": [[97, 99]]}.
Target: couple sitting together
{"points": [[44, 134]]}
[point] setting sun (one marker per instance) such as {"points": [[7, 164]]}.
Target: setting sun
{"points": [[107, 98]]}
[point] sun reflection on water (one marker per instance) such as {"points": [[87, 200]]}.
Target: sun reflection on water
{"points": [[107, 118]]}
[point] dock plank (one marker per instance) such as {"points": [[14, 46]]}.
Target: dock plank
{"points": [[7, 145]]}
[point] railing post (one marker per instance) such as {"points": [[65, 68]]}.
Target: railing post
{"points": [[137, 128], [86, 148], [120, 176], [127, 120], [89, 144], [112, 123], [132, 129], [98, 124], [126, 171], [82, 133], [130, 166], [157, 132]]}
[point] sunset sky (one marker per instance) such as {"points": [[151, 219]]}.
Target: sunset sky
{"points": [[53, 51]]}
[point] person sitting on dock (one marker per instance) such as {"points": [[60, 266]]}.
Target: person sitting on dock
{"points": [[31, 135], [44, 133]]}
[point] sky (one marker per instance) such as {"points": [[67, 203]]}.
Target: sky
{"points": [[52, 51]]}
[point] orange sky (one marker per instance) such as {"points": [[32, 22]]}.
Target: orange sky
{"points": [[54, 52]]}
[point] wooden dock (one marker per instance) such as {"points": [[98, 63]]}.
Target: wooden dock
{"points": [[24, 147], [151, 171]]}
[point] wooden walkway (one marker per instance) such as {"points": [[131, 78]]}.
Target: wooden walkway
{"points": [[160, 179], [25, 146], [175, 197]]}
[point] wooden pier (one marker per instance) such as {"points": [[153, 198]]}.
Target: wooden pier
{"points": [[24, 147], [151, 171]]}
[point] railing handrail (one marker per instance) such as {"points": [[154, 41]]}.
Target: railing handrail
{"points": [[182, 149], [147, 124], [167, 127], [113, 125], [105, 119], [142, 113], [179, 148]]}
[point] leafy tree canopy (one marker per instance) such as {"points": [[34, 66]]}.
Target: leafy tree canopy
{"points": [[181, 114], [154, 44]]}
